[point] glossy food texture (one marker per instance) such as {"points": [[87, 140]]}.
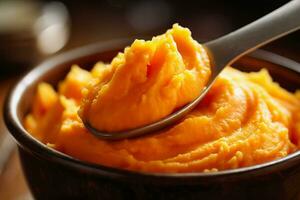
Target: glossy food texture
{"points": [[245, 119]]}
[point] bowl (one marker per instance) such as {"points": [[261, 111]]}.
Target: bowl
{"points": [[53, 175]]}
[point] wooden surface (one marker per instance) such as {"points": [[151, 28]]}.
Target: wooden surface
{"points": [[12, 183]]}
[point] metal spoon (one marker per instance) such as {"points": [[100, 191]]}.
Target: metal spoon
{"points": [[223, 52]]}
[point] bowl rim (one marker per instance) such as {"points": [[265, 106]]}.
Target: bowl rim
{"points": [[40, 150]]}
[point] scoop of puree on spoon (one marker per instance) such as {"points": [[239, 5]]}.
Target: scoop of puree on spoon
{"points": [[223, 52]]}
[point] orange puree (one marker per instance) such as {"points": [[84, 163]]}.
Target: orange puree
{"points": [[245, 119], [147, 82]]}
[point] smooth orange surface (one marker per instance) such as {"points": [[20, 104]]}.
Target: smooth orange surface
{"points": [[245, 119]]}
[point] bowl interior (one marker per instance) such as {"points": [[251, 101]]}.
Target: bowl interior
{"points": [[55, 69]]}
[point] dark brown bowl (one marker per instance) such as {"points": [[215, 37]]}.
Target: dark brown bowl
{"points": [[53, 175]]}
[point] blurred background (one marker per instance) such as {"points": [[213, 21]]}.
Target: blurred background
{"points": [[32, 30]]}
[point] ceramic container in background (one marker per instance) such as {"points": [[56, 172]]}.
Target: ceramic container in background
{"points": [[30, 31]]}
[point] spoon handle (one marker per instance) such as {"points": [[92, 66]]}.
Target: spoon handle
{"points": [[225, 50]]}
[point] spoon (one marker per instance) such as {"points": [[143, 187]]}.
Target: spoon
{"points": [[223, 52]]}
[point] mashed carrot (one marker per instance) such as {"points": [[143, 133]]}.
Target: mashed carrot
{"points": [[245, 119], [147, 82]]}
